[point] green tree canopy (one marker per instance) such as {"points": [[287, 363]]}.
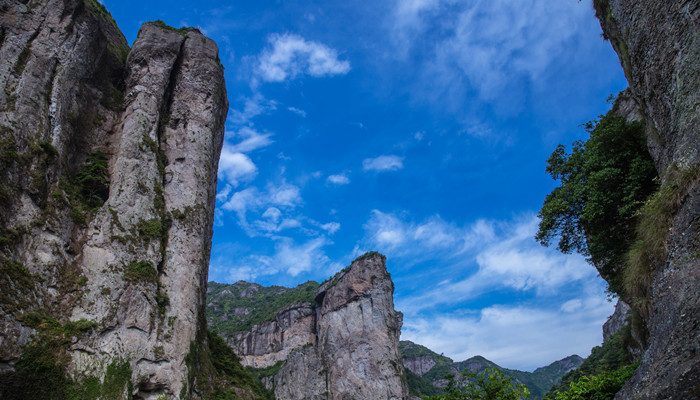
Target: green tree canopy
{"points": [[603, 183], [490, 384]]}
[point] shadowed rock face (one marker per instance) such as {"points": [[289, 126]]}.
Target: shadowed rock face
{"points": [[134, 263], [658, 43], [344, 345]]}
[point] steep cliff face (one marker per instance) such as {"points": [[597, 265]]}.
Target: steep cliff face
{"points": [[343, 344], [659, 48], [271, 342], [617, 320], [110, 157]]}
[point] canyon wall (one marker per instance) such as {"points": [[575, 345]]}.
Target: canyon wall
{"points": [[109, 160], [658, 43]]}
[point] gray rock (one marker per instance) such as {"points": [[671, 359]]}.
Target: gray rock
{"points": [[64, 69], [617, 320], [658, 43], [419, 365], [344, 346]]}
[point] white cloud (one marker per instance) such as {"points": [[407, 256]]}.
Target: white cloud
{"points": [[252, 107], [504, 333], [252, 140], [297, 111], [331, 227], [274, 202], [475, 259], [235, 167], [433, 237], [294, 259], [488, 46], [340, 179], [383, 163], [291, 55], [222, 194]]}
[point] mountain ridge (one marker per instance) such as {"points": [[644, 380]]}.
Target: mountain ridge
{"points": [[429, 381]]}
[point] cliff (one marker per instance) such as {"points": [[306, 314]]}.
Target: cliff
{"points": [[659, 48], [109, 158], [340, 341], [426, 370]]}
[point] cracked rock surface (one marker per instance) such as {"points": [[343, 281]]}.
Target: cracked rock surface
{"points": [[135, 263]]}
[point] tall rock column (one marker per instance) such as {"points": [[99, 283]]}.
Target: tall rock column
{"points": [[658, 43], [356, 355], [107, 215]]}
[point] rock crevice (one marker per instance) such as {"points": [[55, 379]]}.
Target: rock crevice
{"points": [[110, 156]]}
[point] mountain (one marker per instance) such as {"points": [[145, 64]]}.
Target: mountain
{"points": [[339, 339], [426, 370], [108, 163], [658, 47]]}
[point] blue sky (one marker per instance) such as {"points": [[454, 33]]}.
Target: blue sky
{"points": [[417, 128]]}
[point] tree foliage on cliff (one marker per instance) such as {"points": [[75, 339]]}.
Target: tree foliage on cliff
{"points": [[603, 184], [490, 384], [603, 386], [612, 355]]}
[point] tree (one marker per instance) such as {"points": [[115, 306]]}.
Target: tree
{"points": [[603, 386], [490, 384], [603, 183]]}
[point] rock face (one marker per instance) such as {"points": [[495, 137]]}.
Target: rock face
{"points": [[658, 43], [110, 157], [419, 365], [270, 342], [617, 320], [343, 345]]}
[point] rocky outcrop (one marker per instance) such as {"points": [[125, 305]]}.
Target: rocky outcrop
{"points": [[271, 342], [617, 320], [342, 345], [110, 157], [658, 43], [419, 365]]}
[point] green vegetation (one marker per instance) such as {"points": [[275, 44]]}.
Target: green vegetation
{"points": [[182, 31], [8, 159], [141, 271], [117, 382], [603, 386], [88, 189], [150, 229], [162, 300], [421, 386], [22, 60], [369, 254], [269, 372], [16, 287], [612, 355], [45, 154], [537, 382], [649, 249], [261, 303], [490, 384], [217, 371], [93, 180], [443, 366], [604, 183], [113, 99], [40, 373]]}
